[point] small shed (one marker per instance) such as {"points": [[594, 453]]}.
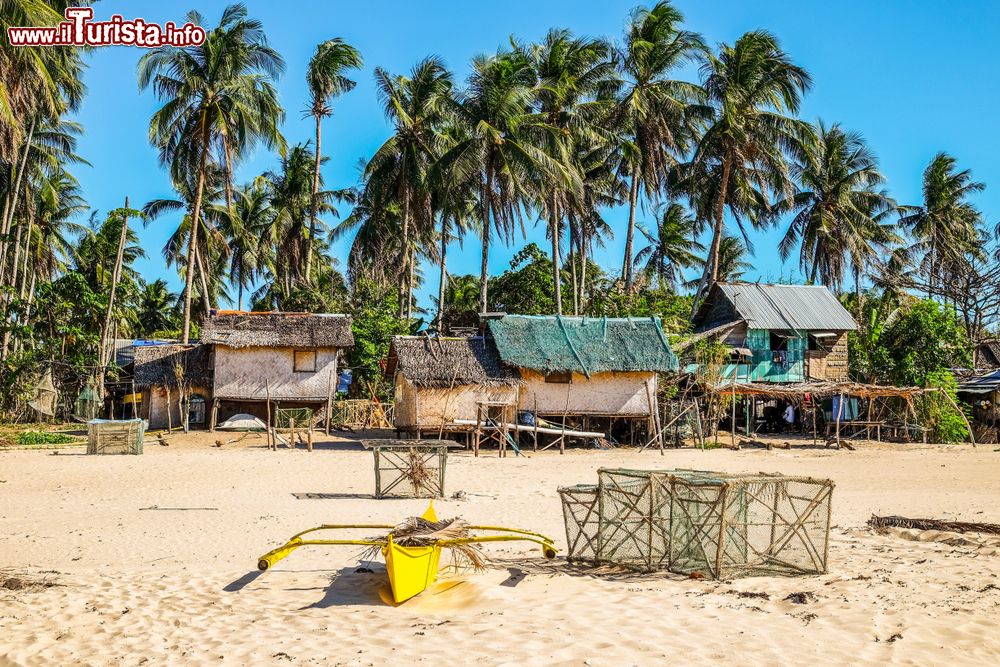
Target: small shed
{"points": [[290, 358], [440, 380], [778, 333], [170, 376], [584, 367]]}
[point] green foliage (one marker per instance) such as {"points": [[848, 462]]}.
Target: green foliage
{"points": [[42, 438], [938, 413], [674, 309], [375, 323], [526, 288]]}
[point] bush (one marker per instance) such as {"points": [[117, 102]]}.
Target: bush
{"points": [[43, 438]]}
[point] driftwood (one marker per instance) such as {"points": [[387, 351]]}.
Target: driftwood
{"points": [[933, 524]]}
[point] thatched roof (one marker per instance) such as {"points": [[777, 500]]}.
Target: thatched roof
{"points": [[155, 365], [447, 362], [240, 330], [582, 345]]}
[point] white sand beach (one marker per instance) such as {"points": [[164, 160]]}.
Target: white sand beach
{"points": [[91, 577]]}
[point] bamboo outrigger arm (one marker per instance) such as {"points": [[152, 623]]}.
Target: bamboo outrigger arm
{"points": [[269, 559]]}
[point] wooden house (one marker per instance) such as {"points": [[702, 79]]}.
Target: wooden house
{"points": [[242, 360], [290, 358], [579, 372], [440, 380], [778, 333], [171, 379]]}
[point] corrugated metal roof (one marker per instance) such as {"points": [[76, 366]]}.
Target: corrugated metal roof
{"points": [[798, 307], [981, 384]]}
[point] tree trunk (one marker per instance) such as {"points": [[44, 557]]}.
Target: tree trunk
{"points": [[720, 212], [583, 271], [201, 263], [315, 205], [484, 264], [556, 268], [27, 255], [409, 285], [404, 253], [443, 282], [572, 269], [633, 200], [9, 214], [103, 357], [193, 239]]}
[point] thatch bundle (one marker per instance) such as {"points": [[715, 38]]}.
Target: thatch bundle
{"points": [[419, 532], [239, 330], [882, 522]]}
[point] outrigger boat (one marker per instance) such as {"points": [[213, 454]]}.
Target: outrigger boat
{"points": [[411, 569]]}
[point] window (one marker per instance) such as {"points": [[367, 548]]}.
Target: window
{"points": [[559, 377], [304, 361]]}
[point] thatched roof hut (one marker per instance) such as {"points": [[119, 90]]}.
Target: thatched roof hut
{"points": [[582, 345], [303, 330], [156, 365], [446, 362]]}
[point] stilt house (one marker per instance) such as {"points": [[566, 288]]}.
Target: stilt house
{"points": [[778, 333], [243, 360]]}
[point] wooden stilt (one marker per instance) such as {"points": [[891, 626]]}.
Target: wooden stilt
{"points": [[215, 415], [535, 398], [329, 402]]}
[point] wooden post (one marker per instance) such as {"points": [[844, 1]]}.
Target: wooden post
{"points": [[329, 402], [535, 399], [478, 435], [291, 432], [170, 419], [215, 415], [271, 443], [309, 438], [812, 400], [840, 411], [732, 419]]}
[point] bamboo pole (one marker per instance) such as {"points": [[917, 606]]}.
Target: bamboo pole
{"points": [[840, 412], [535, 400], [329, 402], [271, 443]]}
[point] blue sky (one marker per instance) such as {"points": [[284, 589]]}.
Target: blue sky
{"points": [[913, 77]]}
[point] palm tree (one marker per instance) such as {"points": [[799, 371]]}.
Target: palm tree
{"points": [[672, 248], [500, 147], [659, 116], [751, 85], [156, 307], [576, 82], [945, 227], [400, 168], [245, 226], [220, 92], [838, 208], [326, 79], [290, 188]]}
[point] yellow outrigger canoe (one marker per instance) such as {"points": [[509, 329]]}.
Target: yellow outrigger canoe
{"points": [[411, 569]]}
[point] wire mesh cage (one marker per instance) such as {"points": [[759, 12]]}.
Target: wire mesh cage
{"points": [[581, 518], [106, 436], [719, 525]]}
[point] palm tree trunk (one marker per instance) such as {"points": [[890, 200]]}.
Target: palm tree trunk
{"points": [[572, 269], [720, 211], [556, 268], [409, 285], [442, 283], [193, 239], [9, 214], [201, 263], [484, 264], [27, 254], [15, 262], [103, 356], [583, 271], [633, 200], [315, 204], [404, 253]]}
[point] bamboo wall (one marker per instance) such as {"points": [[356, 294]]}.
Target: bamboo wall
{"points": [[241, 374], [432, 406], [620, 394], [154, 406]]}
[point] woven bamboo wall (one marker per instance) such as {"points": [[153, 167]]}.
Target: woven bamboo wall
{"points": [[433, 406], [155, 405], [832, 365], [622, 394], [241, 373]]}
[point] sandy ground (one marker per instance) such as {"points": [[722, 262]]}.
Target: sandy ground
{"points": [[89, 574]]}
